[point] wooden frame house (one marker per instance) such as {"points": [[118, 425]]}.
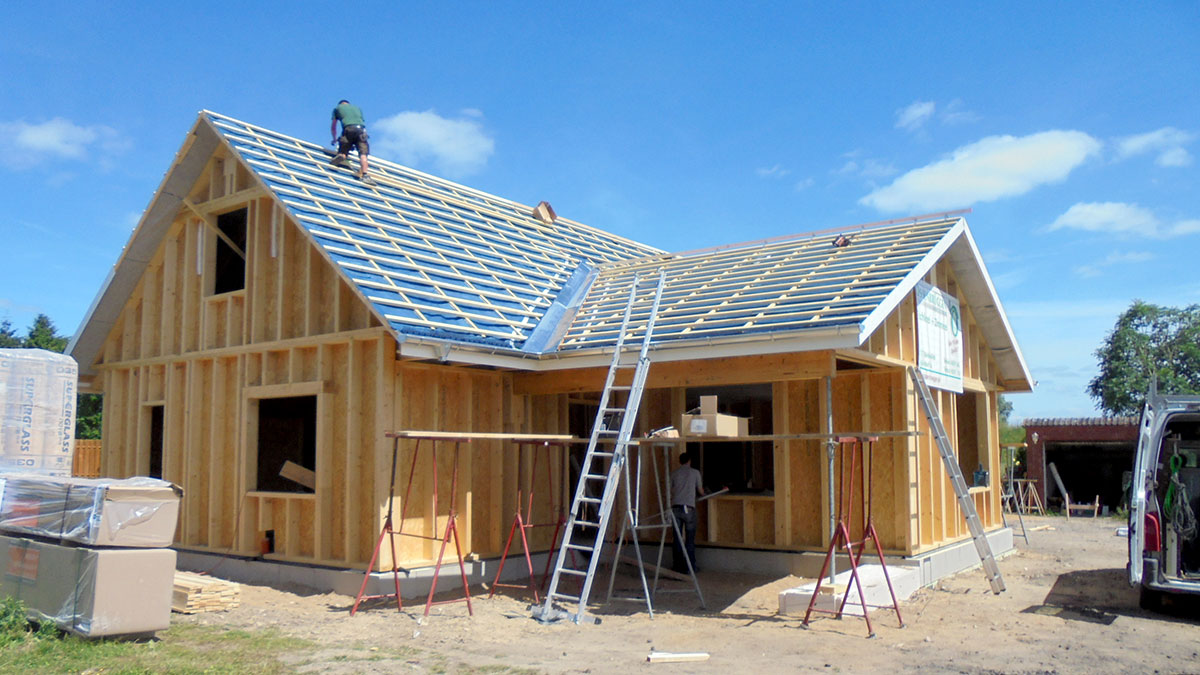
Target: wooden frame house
{"points": [[270, 307]]}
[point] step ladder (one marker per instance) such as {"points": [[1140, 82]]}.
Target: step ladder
{"points": [[658, 457], [965, 502], [614, 425]]}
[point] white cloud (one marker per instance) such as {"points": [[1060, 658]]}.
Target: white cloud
{"points": [[989, 169], [457, 147], [914, 115], [866, 168], [802, 185], [955, 113], [1167, 142], [1116, 258], [776, 171], [25, 145], [1115, 217], [1174, 158], [1121, 219]]}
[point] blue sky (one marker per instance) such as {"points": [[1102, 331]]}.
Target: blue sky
{"points": [[1072, 132]]}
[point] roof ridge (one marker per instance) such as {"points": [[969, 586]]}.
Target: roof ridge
{"points": [[861, 227], [401, 169]]}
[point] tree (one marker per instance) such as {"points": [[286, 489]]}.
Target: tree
{"points": [[1147, 340], [1006, 408], [8, 336], [43, 335]]}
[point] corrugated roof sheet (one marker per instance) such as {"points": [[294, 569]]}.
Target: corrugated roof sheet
{"points": [[1081, 422], [433, 258]]}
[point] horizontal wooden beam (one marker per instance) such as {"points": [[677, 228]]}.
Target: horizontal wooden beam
{"points": [[479, 435], [706, 372], [285, 390], [376, 332]]}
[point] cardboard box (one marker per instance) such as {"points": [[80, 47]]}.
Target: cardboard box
{"points": [[711, 423], [141, 512], [90, 592]]}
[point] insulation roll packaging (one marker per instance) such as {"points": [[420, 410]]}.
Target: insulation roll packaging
{"points": [[37, 411], [92, 592], [135, 512]]}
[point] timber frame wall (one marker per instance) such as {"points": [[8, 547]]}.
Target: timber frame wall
{"points": [[298, 329], [914, 504]]}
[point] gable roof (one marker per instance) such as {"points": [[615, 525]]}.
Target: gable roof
{"points": [[458, 274]]}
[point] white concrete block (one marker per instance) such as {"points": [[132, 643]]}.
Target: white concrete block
{"points": [[905, 582]]}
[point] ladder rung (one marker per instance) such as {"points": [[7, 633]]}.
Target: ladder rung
{"points": [[595, 476], [590, 500], [581, 547], [602, 453], [620, 387], [614, 410], [578, 573], [564, 596]]}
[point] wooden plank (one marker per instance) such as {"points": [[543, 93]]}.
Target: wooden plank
{"points": [[352, 469], [475, 435], [730, 370], [274, 345], [296, 473]]}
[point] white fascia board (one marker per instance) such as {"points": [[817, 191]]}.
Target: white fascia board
{"points": [[836, 338], [909, 282], [143, 242], [989, 312]]}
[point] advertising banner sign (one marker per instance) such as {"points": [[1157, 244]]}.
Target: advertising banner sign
{"points": [[939, 338]]}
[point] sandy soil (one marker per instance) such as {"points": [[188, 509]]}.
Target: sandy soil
{"points": [[1068, 609]]}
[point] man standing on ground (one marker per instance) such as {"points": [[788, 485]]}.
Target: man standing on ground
{"points": [[354, 134], [685, 485]]}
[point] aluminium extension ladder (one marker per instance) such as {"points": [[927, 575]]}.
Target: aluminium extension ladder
{"points": [[965, 502], [611, 432]]}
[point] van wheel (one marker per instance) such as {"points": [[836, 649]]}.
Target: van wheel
{"points": [[1150, 600]]}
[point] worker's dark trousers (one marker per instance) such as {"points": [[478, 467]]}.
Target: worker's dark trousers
{"points": [[686, 517]]}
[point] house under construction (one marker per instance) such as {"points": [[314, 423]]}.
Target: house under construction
{"points": [[270, 308]]}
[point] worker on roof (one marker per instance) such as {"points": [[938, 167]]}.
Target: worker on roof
{"points": [[685, 485], [354, 134]]}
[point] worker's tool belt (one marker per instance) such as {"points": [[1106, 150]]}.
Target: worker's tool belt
{"points": [[683, 507]]}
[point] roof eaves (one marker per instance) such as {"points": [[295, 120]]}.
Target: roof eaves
{"points": [[976, 283], [102, 315]]}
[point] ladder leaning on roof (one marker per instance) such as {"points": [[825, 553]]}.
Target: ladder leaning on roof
{"points": [[611, 432], [965, 502]]}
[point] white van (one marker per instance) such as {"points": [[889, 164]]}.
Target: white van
{"points": [[1164, 499]]}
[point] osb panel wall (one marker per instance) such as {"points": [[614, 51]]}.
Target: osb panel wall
{"points": [[896, 337], [490, 472], [209, 445], [202, 356]]}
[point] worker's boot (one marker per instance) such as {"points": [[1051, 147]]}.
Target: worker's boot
{"points": [[338, 160]]}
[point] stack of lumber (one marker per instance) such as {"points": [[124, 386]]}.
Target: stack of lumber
{"points": [[196, 593]]}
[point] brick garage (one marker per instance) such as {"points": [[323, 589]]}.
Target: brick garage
{"points": [[1090, 453]]}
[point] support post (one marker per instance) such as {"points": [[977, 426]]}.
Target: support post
{"points": [[830, 452]]}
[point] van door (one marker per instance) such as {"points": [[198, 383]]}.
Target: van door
{"points": [[1146, 457]]}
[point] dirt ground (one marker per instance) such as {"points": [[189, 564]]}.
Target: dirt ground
{"points": [[1068, 609]]}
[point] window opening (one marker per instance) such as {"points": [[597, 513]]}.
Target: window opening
{"points": [[229, 271], [745, 467], [972, 460], [156, 442], [287, 431]]}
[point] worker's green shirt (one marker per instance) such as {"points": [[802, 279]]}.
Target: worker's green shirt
{"points": [[348, 114]]}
